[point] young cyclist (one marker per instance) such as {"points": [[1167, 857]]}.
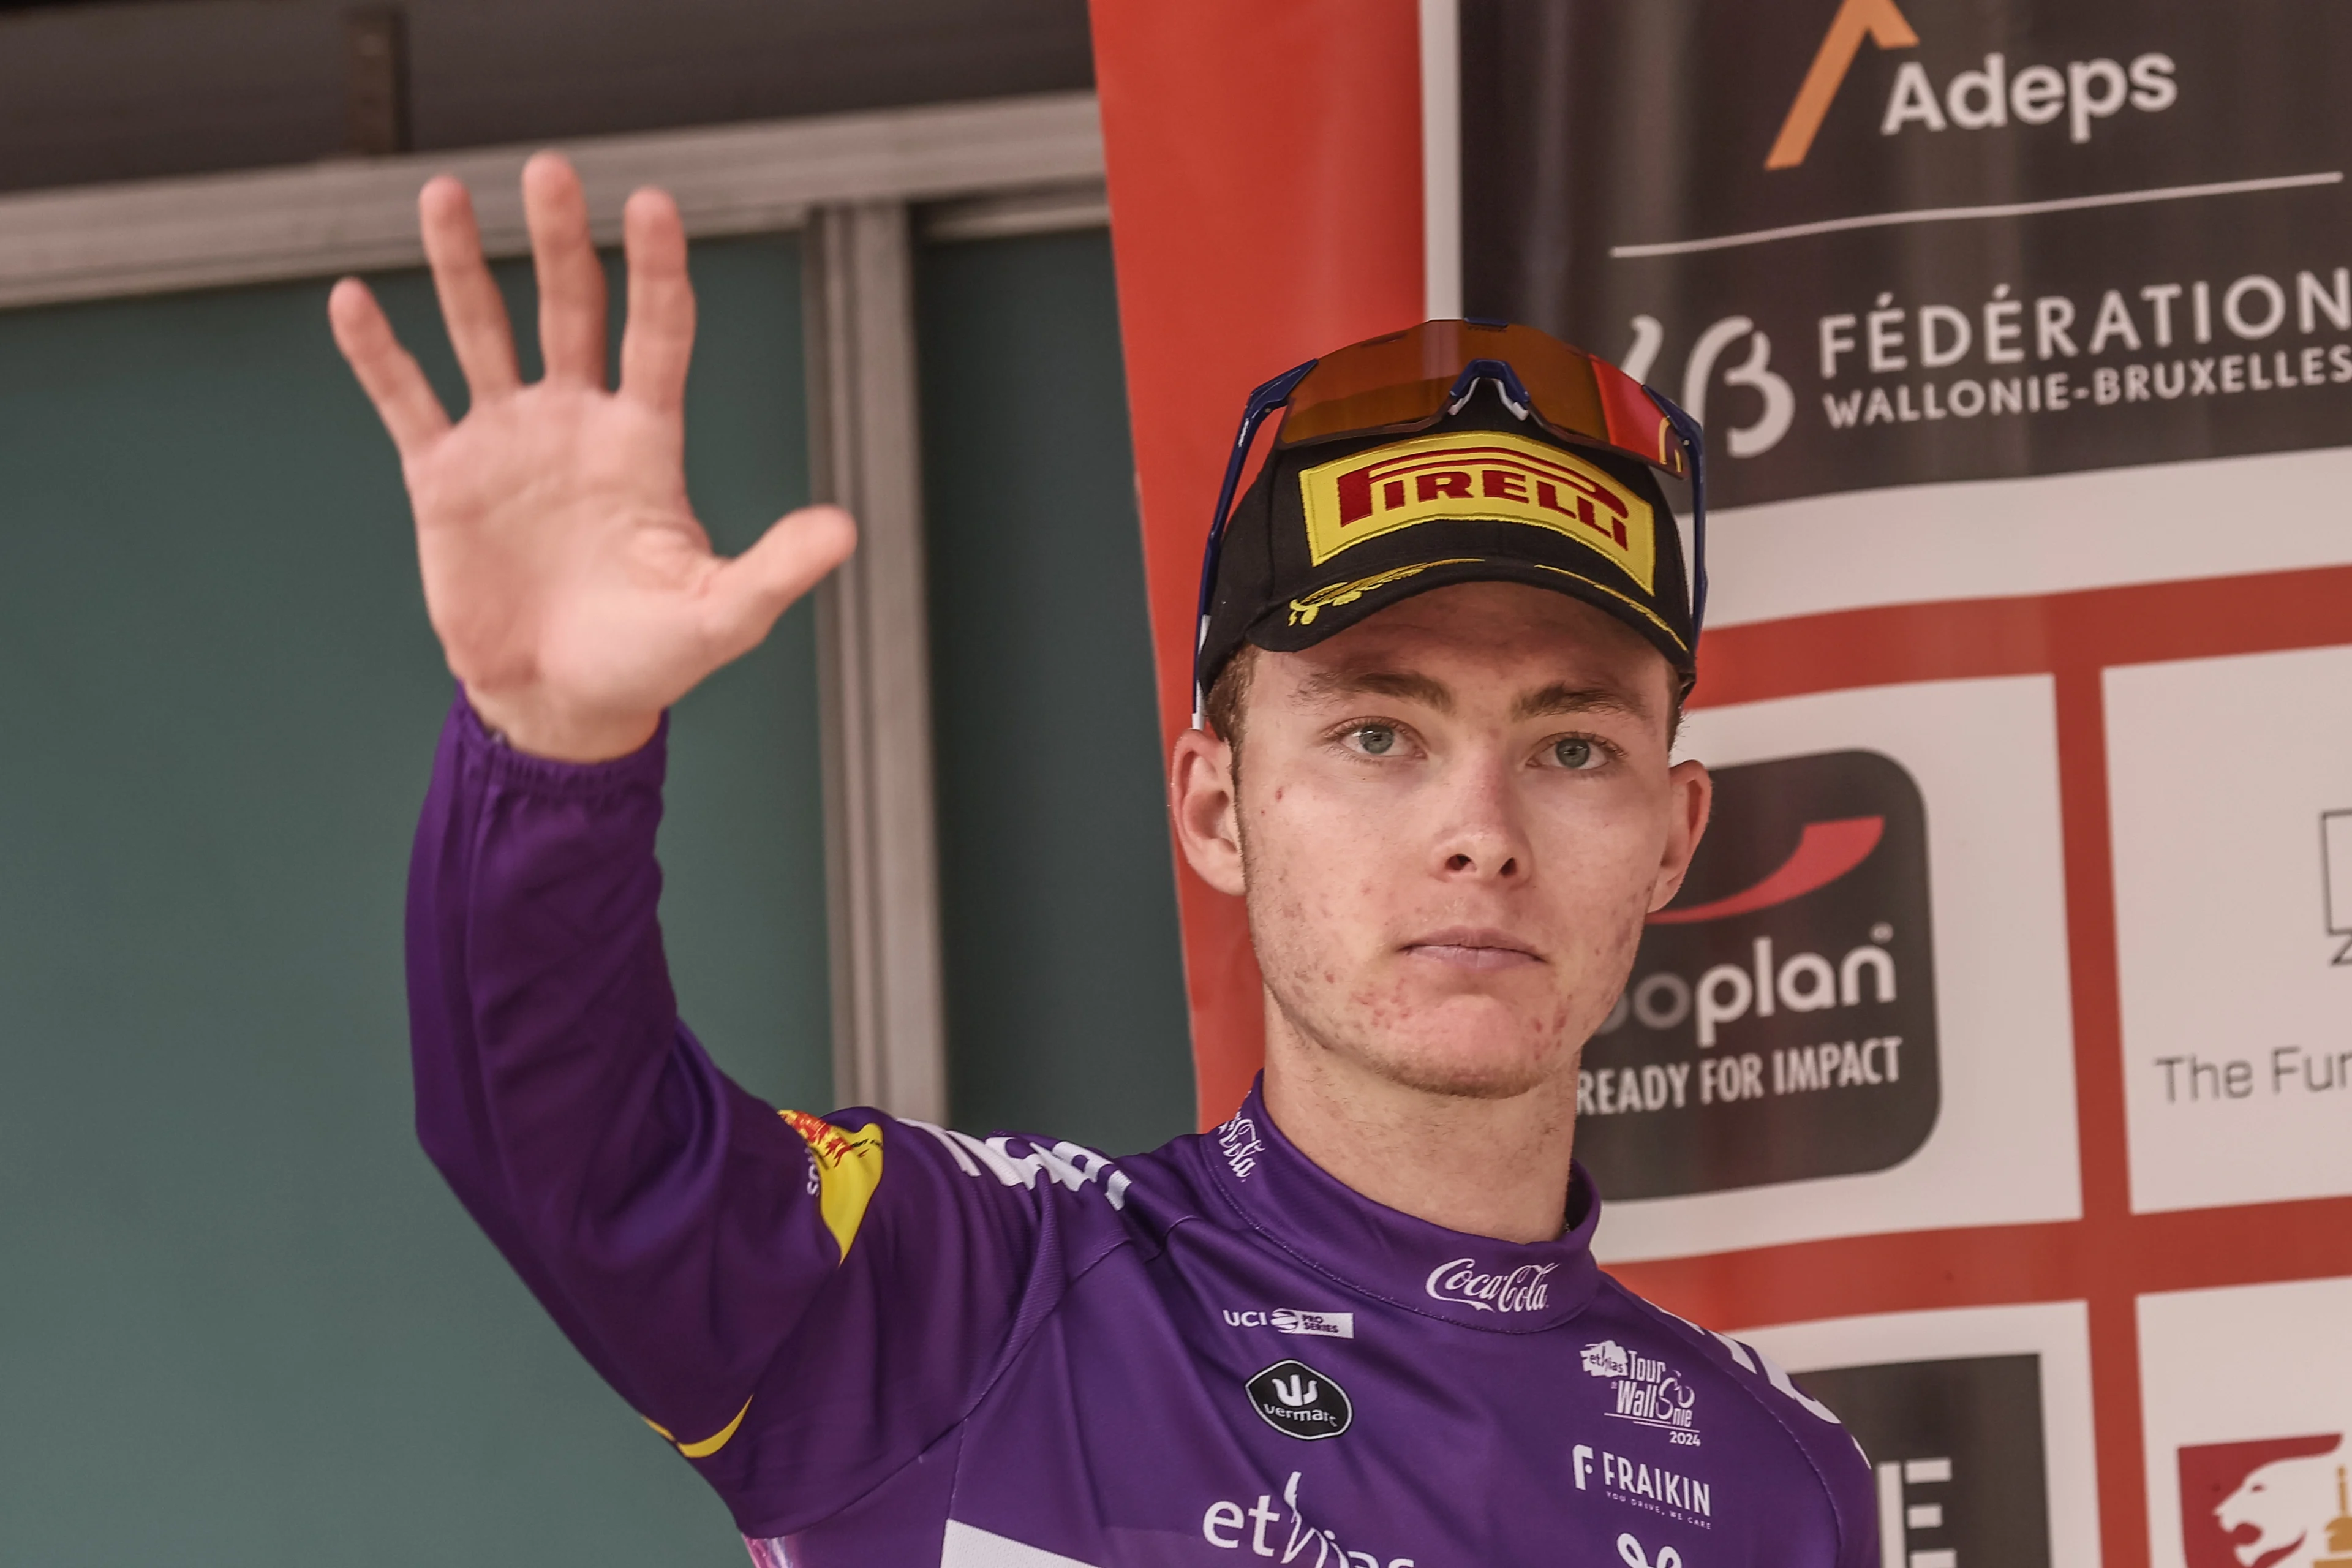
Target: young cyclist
{"points": [[1444, 642]]}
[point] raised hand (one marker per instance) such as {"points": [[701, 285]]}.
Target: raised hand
{"points": [[574, 594]]}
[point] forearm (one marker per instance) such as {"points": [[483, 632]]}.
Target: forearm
{"points": [[655, 1208]]}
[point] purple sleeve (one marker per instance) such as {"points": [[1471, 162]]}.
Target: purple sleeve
{"points": [[695, 1245]]}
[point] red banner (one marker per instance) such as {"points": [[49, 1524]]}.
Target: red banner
{"points": [[1264, 166]]}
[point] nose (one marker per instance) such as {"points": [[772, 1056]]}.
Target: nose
{"points": [[1483, 838]]}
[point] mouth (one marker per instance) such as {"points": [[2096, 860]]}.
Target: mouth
{"points": [[1475, 948]]}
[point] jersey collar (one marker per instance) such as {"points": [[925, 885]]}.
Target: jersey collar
{"points": [[1473, 1281]]}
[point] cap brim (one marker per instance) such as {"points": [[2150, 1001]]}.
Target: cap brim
{"points": [[1333, 608]]}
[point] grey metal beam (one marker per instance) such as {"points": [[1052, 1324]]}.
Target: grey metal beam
{"points": [[874, 663], [101, 241]]}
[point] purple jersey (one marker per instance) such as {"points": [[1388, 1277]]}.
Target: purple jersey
{"points": [[886, 1342]]}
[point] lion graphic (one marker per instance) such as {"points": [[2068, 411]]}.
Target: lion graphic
{"points": [[2287, 1504]]}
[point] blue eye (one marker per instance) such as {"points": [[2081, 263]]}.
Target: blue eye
{"points": [[1377, 740], [1574, 753]]}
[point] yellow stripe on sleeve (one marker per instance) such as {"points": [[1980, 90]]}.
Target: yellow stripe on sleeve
{"points": [[707, 1446], [848, 1169], [711, 1445]]}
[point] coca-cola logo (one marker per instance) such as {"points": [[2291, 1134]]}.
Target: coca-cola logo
{"points": [[1522, 1290], [1239, 1139]]}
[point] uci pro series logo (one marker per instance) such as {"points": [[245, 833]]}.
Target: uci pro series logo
{"points": [[1780, 1023]]}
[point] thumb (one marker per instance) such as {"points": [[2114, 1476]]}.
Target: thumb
{"points": [[746, 595]]}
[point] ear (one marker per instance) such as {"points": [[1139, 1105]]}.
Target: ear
{"points": [[1690, 797], [1203, 800]]}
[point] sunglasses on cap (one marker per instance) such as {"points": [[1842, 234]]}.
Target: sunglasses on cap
{"points": [[1408, 381]]}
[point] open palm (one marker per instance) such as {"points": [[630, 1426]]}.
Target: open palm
{"points": [[574, 594]]}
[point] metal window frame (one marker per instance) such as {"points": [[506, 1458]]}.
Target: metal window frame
{"points": [[865, 189]]}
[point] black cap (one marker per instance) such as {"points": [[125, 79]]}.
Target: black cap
{"points": [[1331, 531]]}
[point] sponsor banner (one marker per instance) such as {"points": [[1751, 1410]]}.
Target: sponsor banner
{"points": [[1865, 989], [2233, 915], [1977, 1422], [1930, 239], [2246, 1396], [2022, 336], [1921, 243]]}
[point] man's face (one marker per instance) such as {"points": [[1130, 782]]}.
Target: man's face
{"points": [[1451, 820]]}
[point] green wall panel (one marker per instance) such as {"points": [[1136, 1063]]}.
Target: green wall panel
{"points": [[242, 1322], [1066, 997]]}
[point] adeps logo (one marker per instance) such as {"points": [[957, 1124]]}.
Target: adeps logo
{"points": [[1990, 94], [1956, 88]]}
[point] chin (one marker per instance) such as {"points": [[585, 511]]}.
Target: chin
{"points": [[1464, 1037], [1488, 1055], [1461, 1077]]}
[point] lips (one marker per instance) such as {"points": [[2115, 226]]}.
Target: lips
{"points": [[1473, 947]]}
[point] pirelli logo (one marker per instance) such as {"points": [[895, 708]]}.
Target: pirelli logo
{"points": [[1487, 476]]}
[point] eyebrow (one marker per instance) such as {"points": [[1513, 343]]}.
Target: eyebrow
{"points": [[1403, 685], [1560, 698], [1550, 701]]}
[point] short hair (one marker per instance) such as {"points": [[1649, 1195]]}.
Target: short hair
{"points": [[1228, 695]]}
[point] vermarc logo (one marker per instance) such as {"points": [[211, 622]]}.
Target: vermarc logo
{"points": [[1300, 1401], [1462, 1281]]}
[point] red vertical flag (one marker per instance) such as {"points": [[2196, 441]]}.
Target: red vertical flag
{"points": [[1264, 166]]}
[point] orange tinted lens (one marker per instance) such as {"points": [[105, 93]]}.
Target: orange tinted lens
{"points": [[1559, 379], [1401, 379], [1404, 378]]}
